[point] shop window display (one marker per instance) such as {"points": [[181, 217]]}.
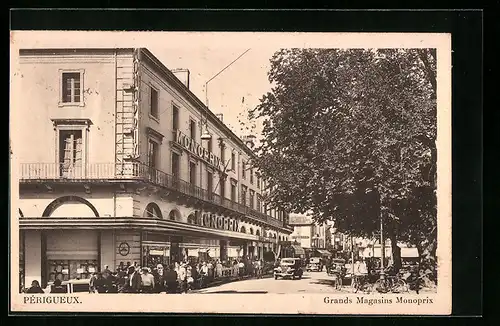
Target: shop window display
{"points": [[71, 269]]}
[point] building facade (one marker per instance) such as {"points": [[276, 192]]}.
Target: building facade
{"points": [[117, 168], [314, 238]]}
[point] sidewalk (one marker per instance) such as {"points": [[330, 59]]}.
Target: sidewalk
{"points": [[230, 280]]}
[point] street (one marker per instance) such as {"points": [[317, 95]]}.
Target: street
{"points": [[311, 282]]}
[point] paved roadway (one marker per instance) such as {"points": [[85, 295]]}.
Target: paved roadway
{"points": [[311, 282]]}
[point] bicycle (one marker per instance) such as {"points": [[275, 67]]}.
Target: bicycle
{"points": [[391, 283], [337, 279], [361, 283]]}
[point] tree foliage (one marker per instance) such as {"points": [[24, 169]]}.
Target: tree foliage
{"points": [[350, 135]]}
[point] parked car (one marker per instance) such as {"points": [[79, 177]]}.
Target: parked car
{"points": [[289, 267], [315, 264], [337, 265]]}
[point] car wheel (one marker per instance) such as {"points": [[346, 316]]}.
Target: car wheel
{"points": [[275, 277]]}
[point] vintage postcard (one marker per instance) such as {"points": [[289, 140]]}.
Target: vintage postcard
{"points": [[263, 173]]}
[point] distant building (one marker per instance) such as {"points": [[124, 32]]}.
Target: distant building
{"points": [[314, 238]]}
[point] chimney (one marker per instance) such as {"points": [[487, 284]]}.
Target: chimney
{"points": [[182, 74], [220, 116]]}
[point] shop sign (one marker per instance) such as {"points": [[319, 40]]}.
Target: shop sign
{"points": [[198, 150], [218, 222], [300, 237], [300, 219], [124, 249]]}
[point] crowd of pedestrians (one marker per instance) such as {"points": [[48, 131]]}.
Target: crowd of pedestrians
{"points": [[179, 277]]}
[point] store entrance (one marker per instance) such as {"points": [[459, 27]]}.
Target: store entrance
{"points": [[251, 252], [156, 254]]}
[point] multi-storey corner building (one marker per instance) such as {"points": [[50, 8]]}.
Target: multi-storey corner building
{"points": [[114, 169]]}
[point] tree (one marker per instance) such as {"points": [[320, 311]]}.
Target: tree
{"points": [[350, 135]]}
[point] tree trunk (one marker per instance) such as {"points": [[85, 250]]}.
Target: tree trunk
{"points": [[396, 252]]}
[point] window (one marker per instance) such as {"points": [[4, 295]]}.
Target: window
{"points": [[175, 117], [223, 155], [243, 170], [252, 197], [233, 161], [259, 204], [71, 269], [70, 152], [154, 103], [244, 195], [233, 192], [71, 87], [210, 186], [191, 218], [192, 129], [153, 211], [222, 185], [209, 145], [258, 182], [175, 165], [192, 173], [174, 215], [152, 154], [251, 176]]}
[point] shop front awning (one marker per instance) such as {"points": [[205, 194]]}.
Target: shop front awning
{"points": [[324, 252], [298, 250], [130, 223]]}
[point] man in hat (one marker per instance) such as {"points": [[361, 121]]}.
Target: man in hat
{"points": [[159, 278], [133, 281], [171, 280]]}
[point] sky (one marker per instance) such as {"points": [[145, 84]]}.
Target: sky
{"points": [[234, 91], [206, 53]]}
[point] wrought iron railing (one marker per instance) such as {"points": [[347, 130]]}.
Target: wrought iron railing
{"points": [[135, 171]]}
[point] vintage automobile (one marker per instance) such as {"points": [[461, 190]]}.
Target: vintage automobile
{"points": [[289, 267], [315, 264], [337, 265]]}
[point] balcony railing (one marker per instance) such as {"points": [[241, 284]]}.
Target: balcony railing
{"points": [[135, 171]]}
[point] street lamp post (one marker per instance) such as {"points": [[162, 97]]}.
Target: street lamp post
{"points": [[382, 248]]}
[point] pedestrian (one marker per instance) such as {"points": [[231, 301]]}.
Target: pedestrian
{"points": [[182, 278], [159, 277], [134, 280], [35, 288], [241, 267], [211, 270], [106, 270], [195, 275], [189, 277], [236, 268], [147, 281], [57, 287], [92, 283], [218, 269], [171, 280], [203, 274]]}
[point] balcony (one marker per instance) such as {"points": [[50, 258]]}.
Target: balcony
{"points": [[134, 171]]}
